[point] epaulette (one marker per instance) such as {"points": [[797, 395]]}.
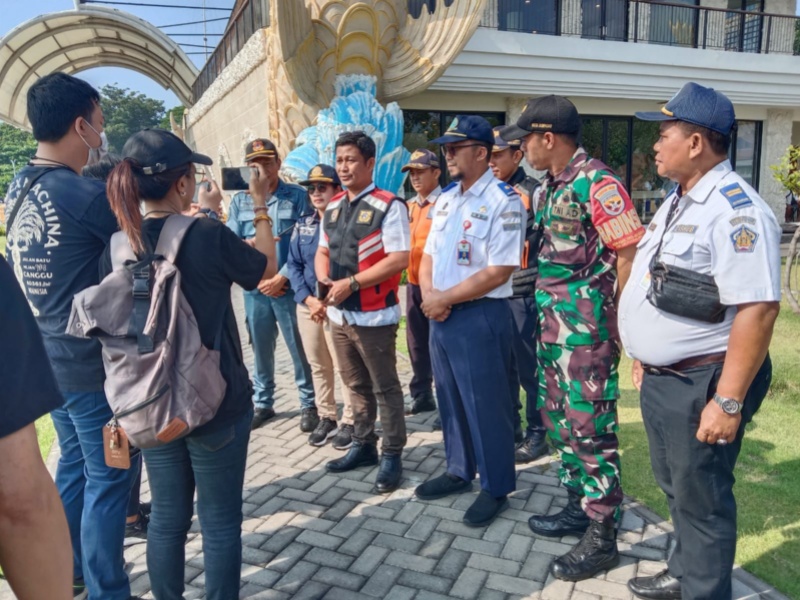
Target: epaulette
{"points": [[507, 189], [736, 196], [449, 186], [383, 195]]}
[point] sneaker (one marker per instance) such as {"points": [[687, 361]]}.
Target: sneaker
{"points": [[309, 419], [344, 439], [261, 416], [326, 429], [422, 402], [145, 508], [136, 532], [78, 588]]}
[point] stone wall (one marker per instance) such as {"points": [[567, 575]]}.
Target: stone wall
{"points": [[777, 136], [234, 109]]}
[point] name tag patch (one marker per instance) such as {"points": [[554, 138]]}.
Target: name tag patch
{"points": [[685, 228], [563, 228], [565, 211], [480, 216]]}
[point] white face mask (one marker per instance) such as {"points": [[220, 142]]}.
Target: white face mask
{"points": [[99, 153]]}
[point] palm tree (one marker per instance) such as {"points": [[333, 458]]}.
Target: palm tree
{"points": [[27, 227]]}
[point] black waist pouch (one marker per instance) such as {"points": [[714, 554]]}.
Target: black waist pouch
{"points": [[684, 293]]}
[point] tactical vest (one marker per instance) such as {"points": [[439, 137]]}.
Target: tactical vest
{"points": [[355, 243], [523, 282]]}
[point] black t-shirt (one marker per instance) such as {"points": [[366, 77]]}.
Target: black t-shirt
{"points": [[54, 246], [28, 388], [210, 260]]}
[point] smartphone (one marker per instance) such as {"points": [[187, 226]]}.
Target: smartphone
{"points": [[235, 178], [322, 290]]}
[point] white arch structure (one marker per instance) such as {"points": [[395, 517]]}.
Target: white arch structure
{"points": [[75, 40]]}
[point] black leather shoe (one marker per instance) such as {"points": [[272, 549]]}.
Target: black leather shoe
{"points": [[658, 587], [309, 419], [422, 402], [389, 474], [570, 521], [441, 486], [359, 455], [519, 437], [484, 510], [532, 447], [595, 552], [261, 416], [437, 424]]}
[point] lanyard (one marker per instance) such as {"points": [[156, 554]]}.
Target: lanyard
{"points": [[673, 209]]}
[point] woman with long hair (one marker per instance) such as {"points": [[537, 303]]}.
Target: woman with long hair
{"points": [[154, 180], [315, 332]]}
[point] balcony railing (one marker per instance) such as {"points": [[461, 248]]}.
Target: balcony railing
{"points": [[649, 22], [251, 16]]}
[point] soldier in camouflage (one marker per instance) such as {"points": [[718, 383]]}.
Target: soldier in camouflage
{"points": [[589, 230]]}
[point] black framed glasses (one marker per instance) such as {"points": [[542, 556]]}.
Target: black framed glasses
{"points": [[452, 150], [317, 187]]}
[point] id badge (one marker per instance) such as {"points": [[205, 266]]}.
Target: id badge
{"points": [[116, 447], [464, 253]]}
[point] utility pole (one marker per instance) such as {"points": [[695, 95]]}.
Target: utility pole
{"points": [[205, 37]]}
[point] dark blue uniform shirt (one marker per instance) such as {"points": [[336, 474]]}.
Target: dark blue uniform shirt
{"points": [[302, 249]]}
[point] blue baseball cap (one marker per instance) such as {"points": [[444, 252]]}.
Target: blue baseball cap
{"points": [[698, 105], [421, 159], [468, 127], [322, 173]]}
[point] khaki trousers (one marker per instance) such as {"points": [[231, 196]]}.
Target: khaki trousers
{"points": [[368, 366], [318, 345]]}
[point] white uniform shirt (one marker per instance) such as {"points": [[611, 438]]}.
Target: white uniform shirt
{"points": [[396, 237], [490, 217], [722, 228]]}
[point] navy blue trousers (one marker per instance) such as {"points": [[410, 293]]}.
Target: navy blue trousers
{"points": [[471, 356]]}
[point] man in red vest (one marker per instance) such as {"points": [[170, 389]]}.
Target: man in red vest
{"points": [[363, 249]]}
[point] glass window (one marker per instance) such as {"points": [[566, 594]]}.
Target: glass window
{"points": [[742, 31], [745, 151], [530, 16], [604, 19], [673, 25]]}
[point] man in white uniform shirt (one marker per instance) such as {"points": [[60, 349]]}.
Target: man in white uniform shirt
{"points": [[475, 245], [701, 359]]}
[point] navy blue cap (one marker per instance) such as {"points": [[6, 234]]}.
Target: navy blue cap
{"points": [[467, 127], [500, 144], [698, 105], [157, 150], [322, 174], [421, 159]]}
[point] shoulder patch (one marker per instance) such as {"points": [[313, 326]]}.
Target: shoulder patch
{"points": [[609, 195], [744, 239], [507, 189], [736, 196], [449, 186]]}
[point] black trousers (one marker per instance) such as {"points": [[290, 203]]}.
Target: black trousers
{"points": [[697, 478], [418, 329], [524, 364]]}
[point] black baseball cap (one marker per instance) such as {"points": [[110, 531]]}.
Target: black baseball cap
{"points": [[698, 105], [421, 159], [555, 114], [260, 147], [500, 144], [322, 174], [467, 127], [157, 150]]}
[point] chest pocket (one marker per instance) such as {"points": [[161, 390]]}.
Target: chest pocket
{"points": [[565, 238], [478, 231], [677, 249], [285, 214]]}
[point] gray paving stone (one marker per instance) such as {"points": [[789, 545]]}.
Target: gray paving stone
{"points": [[332, 497], [494, 565], [536, 566], [337, 593], [264, 578], [469, 584], [339, 578], [517, 547], [382, 580], [405, 560], [422, 528], [512, 585], [607, 589], [296, 577], [452, 563], [328, 558], [253, 591], [436, 545], [409, 512], [421, 581], [320, 540], [369, 560], [277, 542], [395, 542], [499, 530], [479, 546], [400, 592], [355, 543], [311, 590], [289, 557]]}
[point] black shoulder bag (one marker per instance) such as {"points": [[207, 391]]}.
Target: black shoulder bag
{"points": [[680, 291]]}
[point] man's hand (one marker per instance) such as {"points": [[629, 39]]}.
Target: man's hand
{"points": [[637, 374], [274, 287], [192, 211], [716, 424], [211, 199], [260, 184], [435, 306], [317, 309], [339, 292]]}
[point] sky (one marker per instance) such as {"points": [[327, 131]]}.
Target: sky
{"points": [[16, 12]]}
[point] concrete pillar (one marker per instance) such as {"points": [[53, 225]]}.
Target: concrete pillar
{"points": [[776, 138]]}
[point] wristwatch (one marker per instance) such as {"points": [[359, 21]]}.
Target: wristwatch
{"points": [[354, 285], [730, 405]]}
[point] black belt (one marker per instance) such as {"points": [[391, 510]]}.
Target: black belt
{"points": [[687, 363], [472, 303]]}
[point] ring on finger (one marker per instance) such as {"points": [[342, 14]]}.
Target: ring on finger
{"points": [[722, 442]]}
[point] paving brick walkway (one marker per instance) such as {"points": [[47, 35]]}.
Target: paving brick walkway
{"points": [[311, 535]]}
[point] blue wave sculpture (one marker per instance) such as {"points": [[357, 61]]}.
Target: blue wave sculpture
{"points": [[353, 108]]}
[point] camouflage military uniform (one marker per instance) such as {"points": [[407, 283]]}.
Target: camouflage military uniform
{"points": [[587, 215]]}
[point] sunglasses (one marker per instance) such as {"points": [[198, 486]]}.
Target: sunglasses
{"points": [[317, 187], [452, 150]]}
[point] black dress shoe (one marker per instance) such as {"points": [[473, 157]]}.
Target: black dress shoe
{"points": [[658, 587], [359, 455], [422, 402], [437, 424], [570, 521], [484, 510], [532, 447], [309, 419], [441, 486], [261, 416], [595, 552], [389, 474]]}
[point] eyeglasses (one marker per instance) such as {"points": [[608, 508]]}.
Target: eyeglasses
{"points": [[451, 150], [199, 175], [319, 187]]}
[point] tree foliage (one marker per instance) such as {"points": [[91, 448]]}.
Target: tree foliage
{"points": [[787, 171], [127, 112], [177, 112], [16, 149]]}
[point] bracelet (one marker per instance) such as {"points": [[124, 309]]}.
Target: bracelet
{"points": [[260, 209], [262, 218]]}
